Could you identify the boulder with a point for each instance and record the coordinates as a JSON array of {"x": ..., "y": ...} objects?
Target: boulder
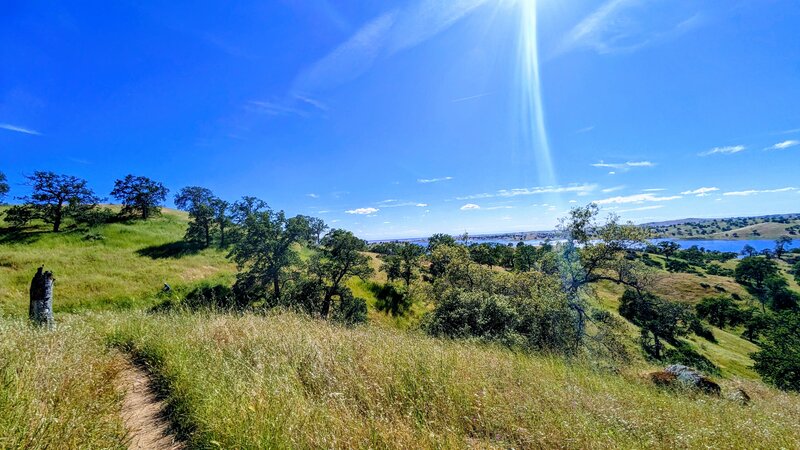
[
  {"x": 687, "y": 377},
  {"x": 739, "y": 396}
]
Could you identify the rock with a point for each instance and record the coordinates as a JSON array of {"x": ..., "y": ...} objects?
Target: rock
[
  {"x": 686, "y": 376},
  {"x": 739, "y": 396}
]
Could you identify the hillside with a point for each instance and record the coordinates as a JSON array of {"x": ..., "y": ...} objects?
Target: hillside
[
  {"x": 733, "y": 228},
  {"x": 283, "y": 380},
  {"x": 117, "y": 265}
]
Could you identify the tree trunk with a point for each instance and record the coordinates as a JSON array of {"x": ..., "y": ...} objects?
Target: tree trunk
[
  {"x": 40, "y": 311},
  {"x": 276, "y": 283},
  {"x": 326, "y": 303}
]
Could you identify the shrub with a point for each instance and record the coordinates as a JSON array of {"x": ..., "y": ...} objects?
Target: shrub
[
  {"x": 216, "y": 297},
  {"x": 391, "y": 299},
  {"x": 350, "y": 310},
  {"x": 778, "y": 362}
]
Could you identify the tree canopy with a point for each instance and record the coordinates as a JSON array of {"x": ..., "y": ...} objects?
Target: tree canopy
[
  {"x": 139, "y": 195},
  {"x": 56, "y": 197}
]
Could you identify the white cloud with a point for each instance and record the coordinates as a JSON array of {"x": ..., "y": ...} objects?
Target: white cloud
[
  {"x": 393, "y": 31},
  {"x": 757, "y": 191},
  {"x": 637, "y": 198},
  {"x": 362, "y": 211},
  {"x": 612, "y": 189},
  {"x": 613, "y": 27},
  {"x": 585, "y": 129},
  {"x": 433, "y": 180},
  {"x": 498, "y": 207},
  {"x": 654, "y": 190},
  {"x": 313, "y": 195},
  {"x": 728, "y": 150},
  {"x": 18, "y": 129},
  {"x": 421, "y": 205},
  {"x": 579, "y": 189},
  {"x": 470, "y": 206},
  {"x": 783, "y": 145},
  {"x": 701, "y": 192},
  {"x": 625, "y": 166}
]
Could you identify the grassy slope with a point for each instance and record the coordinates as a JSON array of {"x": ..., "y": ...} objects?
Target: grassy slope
[
  {"x": 301, "y": 383},
  {"x": 126, "y": 267},
  {"x": 370, "y": 386}
]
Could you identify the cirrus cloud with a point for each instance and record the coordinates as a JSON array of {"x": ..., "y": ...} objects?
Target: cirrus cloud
[
  {"x": 701, "y": 192},
  {"x": 728, "y": 150},
  {"x": 637, "y": 198},
  {"x": 469, "y": 207},
  {"x": 362, "y": 211}
]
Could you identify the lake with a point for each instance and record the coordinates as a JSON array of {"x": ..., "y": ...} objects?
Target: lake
[{"x": 719, "y": 245}]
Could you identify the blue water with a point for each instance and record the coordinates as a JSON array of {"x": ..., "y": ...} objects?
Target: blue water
[
  {"x": 719, "y": 245},
  {"x": 730, "y": 246}
]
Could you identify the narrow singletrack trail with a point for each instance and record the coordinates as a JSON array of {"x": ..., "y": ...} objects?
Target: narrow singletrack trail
[{"x": 143, "y": 413}]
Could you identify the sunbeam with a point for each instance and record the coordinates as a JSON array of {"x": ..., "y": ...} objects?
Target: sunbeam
[{"x": 533, "y": 132}]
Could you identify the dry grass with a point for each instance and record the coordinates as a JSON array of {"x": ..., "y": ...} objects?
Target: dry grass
[
  {"x": 57, "y": 388},
  {"x": 111, "y": 272},
  {"x": 289, "y": 382}
]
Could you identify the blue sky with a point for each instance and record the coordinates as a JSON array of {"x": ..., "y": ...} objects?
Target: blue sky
[{"x": 400, "y": 119}]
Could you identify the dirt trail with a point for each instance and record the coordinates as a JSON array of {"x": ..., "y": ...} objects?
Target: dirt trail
[{"x": 142, "y": 413}]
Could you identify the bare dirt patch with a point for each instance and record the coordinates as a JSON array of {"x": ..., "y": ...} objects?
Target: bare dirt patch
[{"x": 143, "y": 412}]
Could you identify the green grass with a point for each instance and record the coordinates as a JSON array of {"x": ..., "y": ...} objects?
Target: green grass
[
  {"x": 57, "y": 389},
  {"x": 118, "y": 265},
  {"x": 285, "y": 381}
]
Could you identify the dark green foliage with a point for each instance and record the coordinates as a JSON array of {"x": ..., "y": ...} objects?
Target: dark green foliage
[
  {"x": 659, "y": 319},
  {"x": 19, "y": 216},
  {"x": 796, "y": 271},
  {"x": 439, "y": 239},
  {"x": 716, "y": 269},
  {"x": 139, "y": 195},
  {"x": 678, "y": 265},
  {"x": 56, "y": 197},
  {"x": 483, "y": 254},
  {"x": 719, "y": 311},
  {"x": 200, "y": 203},
  {"x": 265, "y": 253},
  {"x": 214, "y": 297},
  {"x": 391, "y": 299},
  {"x": 404, "y": 264},
  {"x": 650, "y": 262},
  {"x": 339, "y": 259},
  {"x": 778, "y": 361},
  {"x": 668, "y": 248},
  {"x": 4, "y": 188},
  {"x": 780, "y": 245},
  {"x": 349, "y": 310},
  {"x": 683, "y": 353},
  {"x": 94, "y": 217}
]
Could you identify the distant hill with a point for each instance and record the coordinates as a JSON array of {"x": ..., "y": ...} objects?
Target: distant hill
[{"x": 733, "y": 228}]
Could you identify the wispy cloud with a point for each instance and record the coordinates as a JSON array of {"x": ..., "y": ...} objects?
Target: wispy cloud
[
  {"x": 728, "y": 150},
  {"x": 636, "y": 198},
  {"x": 612, "y": 189},
  {"x": 18, "y": 129},
  {"x": 393, "y": 31},
  {"x": 701, "y": 192},
  {"x": 471, "y": 97},
  {"x": 470, "y": 206},
  {"x": 433, "y": 180},
  {"x": 585, "y": 129},
  {"x": 625, "y": 166},
  {"x": 312, "y": 195},
  {"x": 783, "y": 145},
  {"x": 759, "y": 191},
  {"x": 492, "y": 208},
  {"x": 654, "y": 190},
  {"x": 617, "y": 26},
  {"x": 362, "y": 211},
  {"x": 392, "y": 203},
  {"x": 579, "y": 189}
]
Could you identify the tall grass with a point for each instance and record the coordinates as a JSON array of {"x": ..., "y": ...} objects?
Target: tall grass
[
  {"x": 116, "y": 265},
  {"x": 285, "y": 381},
  {"x": 57, "y": 389}
]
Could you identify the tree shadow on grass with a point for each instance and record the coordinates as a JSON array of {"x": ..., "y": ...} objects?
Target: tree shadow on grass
[
  {"x": 176, "y": 250},
  {"x": 20, "y": 235}
]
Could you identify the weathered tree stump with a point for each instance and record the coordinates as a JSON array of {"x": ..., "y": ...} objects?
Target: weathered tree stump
[{"x": 41, "y": 306}]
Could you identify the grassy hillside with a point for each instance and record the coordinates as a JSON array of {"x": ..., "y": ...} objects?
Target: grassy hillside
[
  {"x": 117, "y": 265},
  {"x": 762, "y": 227},
  {"x": 302, "y": 383},
  {"x": 282, "y": 380}
]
